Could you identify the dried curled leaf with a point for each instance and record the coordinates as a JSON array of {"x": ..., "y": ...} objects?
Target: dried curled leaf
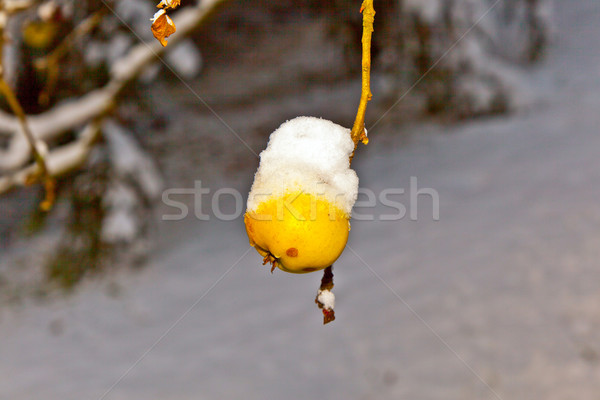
[{"x": 162, "y": 26}]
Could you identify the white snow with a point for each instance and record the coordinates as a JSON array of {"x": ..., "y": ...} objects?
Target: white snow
[
  {"x": 326, "y": 298},
  {"x": 121, "y": 224},
  {"x": 310, "y": 155},
  {"x": 130, "y": 161},
  {"x": 185, "y": 59},
  {"x": 157, "y": 15}
]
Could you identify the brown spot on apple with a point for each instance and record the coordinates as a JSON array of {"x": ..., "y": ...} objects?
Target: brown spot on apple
[{"x": 292, "y": 252}]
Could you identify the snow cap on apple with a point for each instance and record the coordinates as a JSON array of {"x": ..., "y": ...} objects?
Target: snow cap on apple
[{"x": 300, "y": 203}]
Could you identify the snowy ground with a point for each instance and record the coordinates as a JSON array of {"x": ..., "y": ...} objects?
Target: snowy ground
[{"x": 497, "y": 299}]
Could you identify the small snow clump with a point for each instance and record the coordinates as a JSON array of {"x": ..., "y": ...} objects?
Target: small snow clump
[
  {"x": 310, "y": 155},
  {"x": 326, "y": 298}
]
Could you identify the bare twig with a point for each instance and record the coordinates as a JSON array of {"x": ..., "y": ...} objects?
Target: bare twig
[{"x": 358, "y": 129}]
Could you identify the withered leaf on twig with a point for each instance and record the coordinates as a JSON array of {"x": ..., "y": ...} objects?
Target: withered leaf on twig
[{"x": 162, "y": 26}]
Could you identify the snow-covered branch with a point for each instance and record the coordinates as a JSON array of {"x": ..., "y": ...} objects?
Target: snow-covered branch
[
  {"x": 59, "y": 161},
  {"x": 76, "y": 113}
]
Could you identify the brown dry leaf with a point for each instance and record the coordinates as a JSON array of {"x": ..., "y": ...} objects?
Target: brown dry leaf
[{"x": 162, "y": 27}]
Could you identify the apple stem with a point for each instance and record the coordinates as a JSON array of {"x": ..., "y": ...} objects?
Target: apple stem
[{"x": 326, "y": 285}]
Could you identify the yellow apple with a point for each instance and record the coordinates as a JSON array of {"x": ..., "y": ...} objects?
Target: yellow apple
[{"x": 298, "y": 232}]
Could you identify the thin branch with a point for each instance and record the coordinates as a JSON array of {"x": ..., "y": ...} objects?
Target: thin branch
[
  {"x": 358, "y": 129},
  {"x": 60, "y": 160}
]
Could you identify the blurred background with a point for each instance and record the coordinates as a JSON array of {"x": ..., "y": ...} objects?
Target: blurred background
[{"x": 490, "y": 104}]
